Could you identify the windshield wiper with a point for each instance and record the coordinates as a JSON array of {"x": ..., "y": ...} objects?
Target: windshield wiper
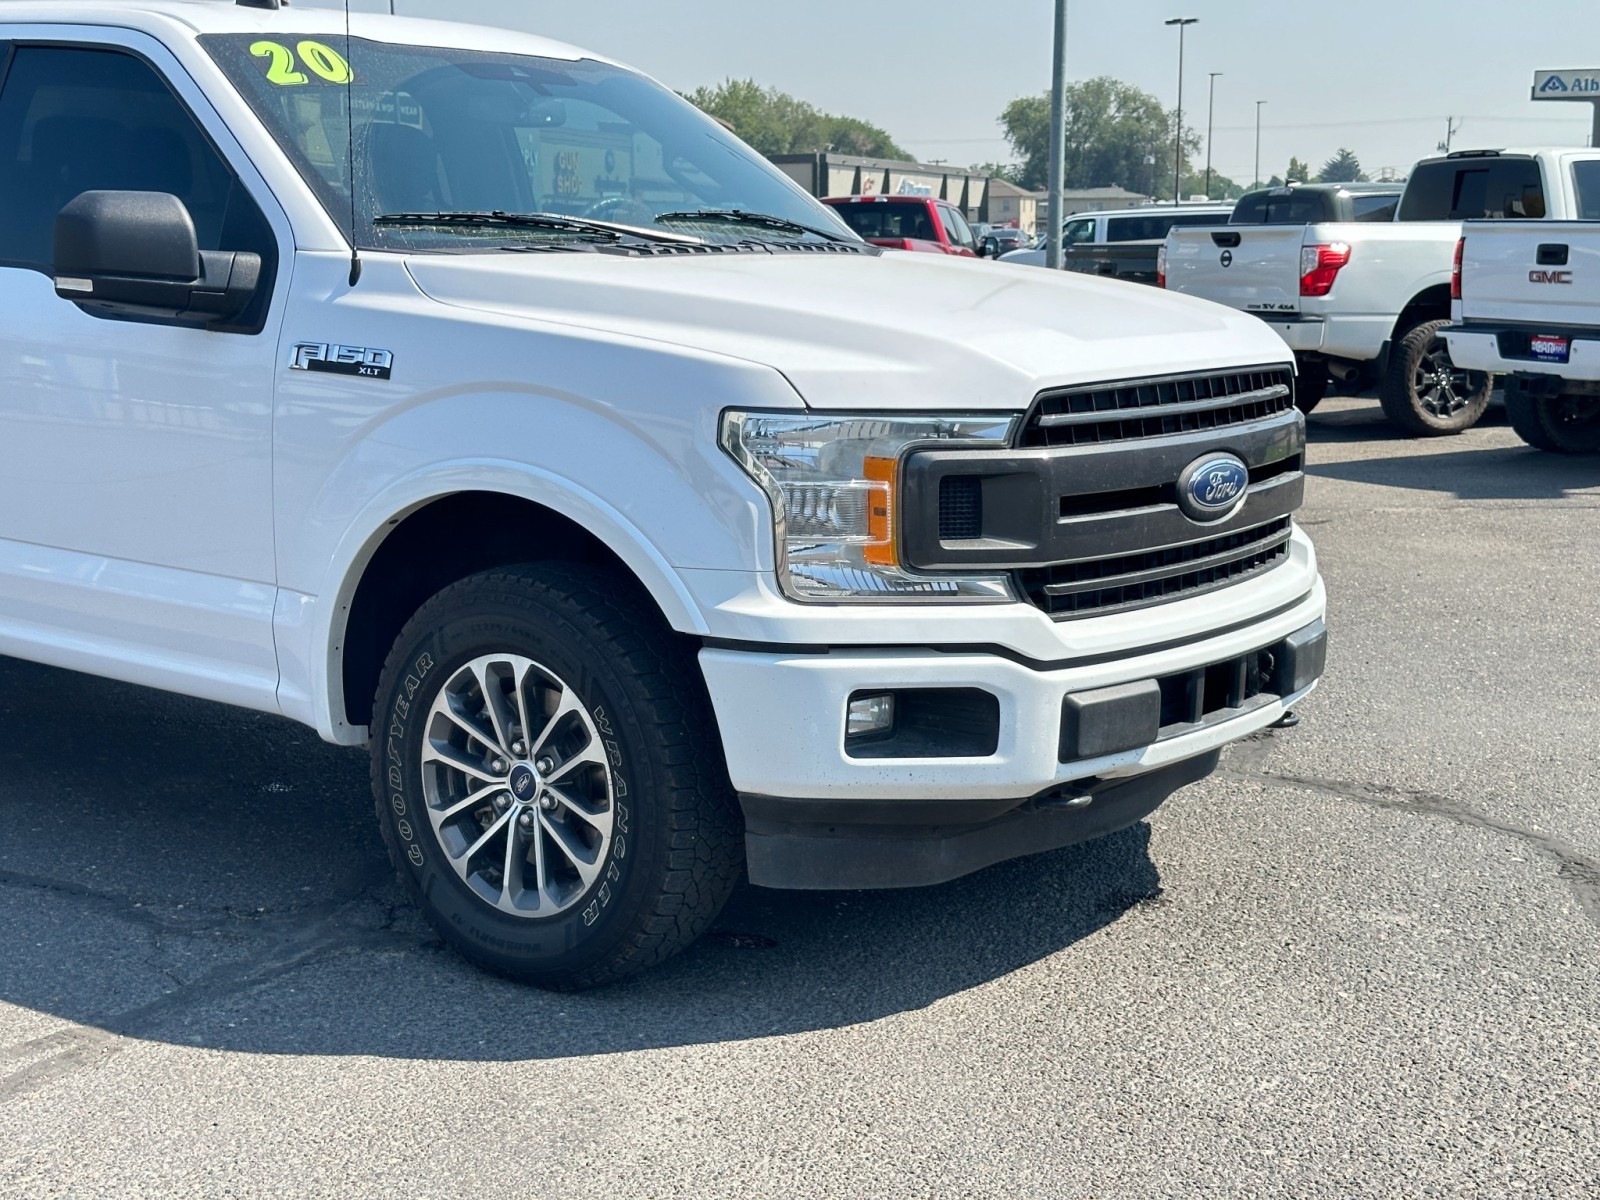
[
  {"x": 555, "y": 221},
  {"x": 738, "y": 216}
]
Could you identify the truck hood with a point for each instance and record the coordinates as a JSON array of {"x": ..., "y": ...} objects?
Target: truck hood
[{"x": 896, "y": 331}]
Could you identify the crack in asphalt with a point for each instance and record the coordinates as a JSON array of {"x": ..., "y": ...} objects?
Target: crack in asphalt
[{"x": 1577, "y": 870}]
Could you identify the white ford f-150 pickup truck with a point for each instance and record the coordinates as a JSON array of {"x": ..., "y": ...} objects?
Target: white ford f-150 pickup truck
[
  {"x": 469, "y": 397},
  {"x": 1527, "y": 306},
  {"x": 1367, "y": 302}
]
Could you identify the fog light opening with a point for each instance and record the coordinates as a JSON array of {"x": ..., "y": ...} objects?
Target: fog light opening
[{"x": 870, "y": 716}]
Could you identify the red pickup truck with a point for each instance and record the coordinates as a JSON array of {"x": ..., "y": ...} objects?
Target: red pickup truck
[{"x": 909, "y": 223}]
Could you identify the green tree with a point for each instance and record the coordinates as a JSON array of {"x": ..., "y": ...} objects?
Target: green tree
[
  {"x": 1113, "y": 128},
  {"x": 1222, "y": 188},
  {"x": 1010, "y": 172},
  {"x": 774, "y": 122},
  {"x": 1298, "y": 172},
  {"x": 1343, "y": 167}
]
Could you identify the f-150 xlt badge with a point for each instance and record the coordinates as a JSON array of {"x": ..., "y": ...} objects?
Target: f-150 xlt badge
[
  {"x": 1213, "y": 488},
  {"x": 343, "y": 360}
]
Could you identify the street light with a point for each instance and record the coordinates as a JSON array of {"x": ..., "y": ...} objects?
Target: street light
[
  {"x": 1211, "y": 118},
  {"x": 1177, "y": 155},
  {"x": 1054, "y": 211},
  {"x": 1257, "y": 181}
]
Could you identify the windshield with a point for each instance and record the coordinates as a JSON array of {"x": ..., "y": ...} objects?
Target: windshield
[{"x": 441, "y": 131}]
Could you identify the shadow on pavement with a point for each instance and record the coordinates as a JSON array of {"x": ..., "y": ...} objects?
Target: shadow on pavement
[
  {"x": 1493, "y": 473},
  {"x": 1341, "y": 422},
  {"x": 184, "y": 872}
]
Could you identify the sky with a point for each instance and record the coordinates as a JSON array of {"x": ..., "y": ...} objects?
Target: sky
[{"x": 1382, "y": 77}]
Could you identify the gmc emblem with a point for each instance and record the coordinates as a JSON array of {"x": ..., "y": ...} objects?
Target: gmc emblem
[{"x": 1550, "y": 277}]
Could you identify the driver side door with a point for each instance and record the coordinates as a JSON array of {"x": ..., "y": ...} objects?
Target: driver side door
[{"x": 136, "y": 533}]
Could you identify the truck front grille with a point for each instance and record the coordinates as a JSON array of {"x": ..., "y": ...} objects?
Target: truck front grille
[
  {"x": 1105, "y": 585},
  {"x": 1148, "y": 408}
]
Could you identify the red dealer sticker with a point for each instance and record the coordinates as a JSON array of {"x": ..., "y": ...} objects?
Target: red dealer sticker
[{"x": 1548, "y": 348}]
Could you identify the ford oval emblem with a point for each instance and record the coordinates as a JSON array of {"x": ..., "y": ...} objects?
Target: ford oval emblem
[{"x": 1213, "y": 488}]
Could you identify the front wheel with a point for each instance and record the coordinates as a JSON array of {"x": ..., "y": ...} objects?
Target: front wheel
[
  {"x": 1424, "y": 392},
  {"x": 1559, "y": 424},
  {"x": 549, "y": 779}
]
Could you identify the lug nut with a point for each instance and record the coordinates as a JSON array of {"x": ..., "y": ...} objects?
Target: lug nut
[
  {"x": 498, "y": 765},
  {"x": 502, "y": 802},
  {"x": 525, "y": 821},
  {"x": 547, "y": 801},
  {"x": 546, "y": 764},
  {"x": 518, "y": 748}
]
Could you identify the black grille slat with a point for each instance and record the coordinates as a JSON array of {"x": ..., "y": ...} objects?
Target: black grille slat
[
  {"x": 1068, "y": 589},
  {"x": 1149, "y": 408}
]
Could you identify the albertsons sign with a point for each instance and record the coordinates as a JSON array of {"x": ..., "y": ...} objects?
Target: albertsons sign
[{"x": 1567, "y": 85}]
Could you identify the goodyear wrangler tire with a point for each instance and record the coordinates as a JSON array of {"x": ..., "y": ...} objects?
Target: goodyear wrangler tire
[{"x": 549, "y": 779}]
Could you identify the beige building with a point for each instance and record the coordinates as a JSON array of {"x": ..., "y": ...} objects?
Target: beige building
[{"x": 1010, "y": 205}]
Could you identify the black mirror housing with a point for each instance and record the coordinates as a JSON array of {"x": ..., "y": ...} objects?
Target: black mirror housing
[{"x": 135, "y": 254}]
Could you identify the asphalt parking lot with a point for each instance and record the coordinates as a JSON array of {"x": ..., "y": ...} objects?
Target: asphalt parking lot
[{"x": 1362, "y": 961}]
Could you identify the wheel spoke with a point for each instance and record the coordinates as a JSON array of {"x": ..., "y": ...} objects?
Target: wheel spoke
[
  {"x": 572, "y": 806},
  {"x": 564, "y": 708},
  {"x": 469, "y": 727},
  {"x": 454, "y": 759},
  {"x": 511, "y": 872},
  {"x": 494, "y": 701},
  {"x": 464, "y": 860},
  {"x": 575, "y": 853},
  {"x": 592, "y": 753},
  {"x": 469, "y": 801}
]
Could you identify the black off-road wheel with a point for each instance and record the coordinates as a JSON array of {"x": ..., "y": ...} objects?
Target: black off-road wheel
[
  {"x": 1558, "y": 424},
  {"x": 1425, "y": 393},
  {"x": 549, "y": 779}
]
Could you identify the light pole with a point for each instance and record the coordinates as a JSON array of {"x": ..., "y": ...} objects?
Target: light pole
[
  {"x": 1211, "y": 120},
  {"x": 1182, "y": 23},
  {"x": 1257, "y": 181},
  {"x": 1058, "y": 142}
]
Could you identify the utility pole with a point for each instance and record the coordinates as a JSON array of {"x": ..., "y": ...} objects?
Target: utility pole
[
  {"x": 1211, "y": 120},
  {"x": 1183, "y": 24},
  {"x": 1257, "y": 181},
  {"x": 1058, "y": 143},
  {"x": 1451, "y": 127}
]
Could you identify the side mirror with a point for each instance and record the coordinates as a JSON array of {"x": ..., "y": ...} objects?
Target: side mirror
[
  {"x": 136, "y": 254},
  {"x": 989, "y": 248}
]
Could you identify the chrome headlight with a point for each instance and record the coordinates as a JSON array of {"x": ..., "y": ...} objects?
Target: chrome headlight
[{"x": 835, "y": 486}]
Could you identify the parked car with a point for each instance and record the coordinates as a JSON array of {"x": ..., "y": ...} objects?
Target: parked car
[
  {"x": 1527, "y": 306},
  {"x": 1125, "y": 244},
  {"x": 650, "y": 533},
  {"x": 1316, "y": 203},
  {"x": 1003, "y": 239},
  {"x": 918, "y": 223},
  {"x": 1367, "y": 302}
]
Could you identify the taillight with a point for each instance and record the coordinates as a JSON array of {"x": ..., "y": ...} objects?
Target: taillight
[
  {"x": 1320, "y": 266},
  {"x": 1161, "y": 266},
  {"x": 1455, "y": 271}
]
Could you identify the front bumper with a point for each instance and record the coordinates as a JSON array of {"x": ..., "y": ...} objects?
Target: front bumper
[{"x": 820, "y": 815}]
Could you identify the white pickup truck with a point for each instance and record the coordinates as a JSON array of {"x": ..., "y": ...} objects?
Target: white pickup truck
[
  {"x": 1528, "y": 307},
  {"x": 475, "y": 399},
  {"x": 1366, "y": 303}
]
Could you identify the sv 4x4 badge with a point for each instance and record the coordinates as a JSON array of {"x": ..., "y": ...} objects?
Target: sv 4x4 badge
[{"x": 343, "y": 360}]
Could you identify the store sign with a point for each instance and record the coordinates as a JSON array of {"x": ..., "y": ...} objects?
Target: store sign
[{"x": 1567, "y": 85}]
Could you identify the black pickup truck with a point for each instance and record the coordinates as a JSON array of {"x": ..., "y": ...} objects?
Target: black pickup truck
[{"x": 1316, "y": 203}]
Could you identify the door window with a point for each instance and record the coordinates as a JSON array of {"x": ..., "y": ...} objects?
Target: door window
[
  {"x": 80, "y": 120},
  {"x": 957, "y": 229},
  {"x": 1077, "y": 233}
]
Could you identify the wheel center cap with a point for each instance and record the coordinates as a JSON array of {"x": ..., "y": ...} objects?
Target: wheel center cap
[{"x": 524, "y": 783}]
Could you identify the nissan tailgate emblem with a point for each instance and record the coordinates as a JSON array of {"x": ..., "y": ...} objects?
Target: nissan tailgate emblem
[{"x": 1227, "y": 258}]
